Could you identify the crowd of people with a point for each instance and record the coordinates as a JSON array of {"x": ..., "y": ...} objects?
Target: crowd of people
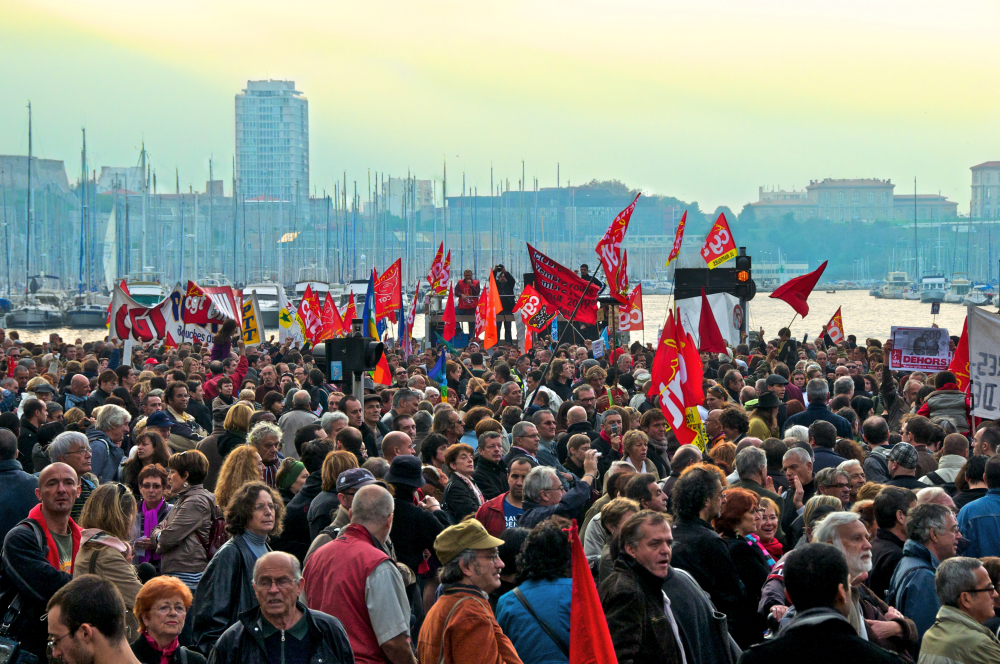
[{"x": 229, "y": 504}]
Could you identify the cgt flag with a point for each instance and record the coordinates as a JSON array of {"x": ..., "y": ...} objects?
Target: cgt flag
[
  {"x": 678, "y": 239},
  {"x": 719, "y": 245},
  {"x": 311, "y": 315},
  {"x": 440, "y": 269},
  {"x": 389, "y": 292},
  {"x": 630, "y": 315},
  {"x": 609, "y": 249},
  {"x": 536, "y": 312},
  {"x": 563, "y": 288},
  {"x": 675, "y": 366},
  {"x": 835, "y": 328}
]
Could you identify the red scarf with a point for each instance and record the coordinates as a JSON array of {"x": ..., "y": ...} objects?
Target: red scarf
[
  {"x": 53, "y": 555},
  {"x": 165, "y": 653},
  {"x": 773, "y": 547}
]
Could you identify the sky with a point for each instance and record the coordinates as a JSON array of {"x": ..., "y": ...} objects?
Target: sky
[{"x": 705, "y": 101}]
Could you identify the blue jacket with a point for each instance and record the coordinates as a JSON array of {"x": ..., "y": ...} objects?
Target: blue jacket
[
  {"x": 912, "y": 593},
  {"x": 819, "y": 411},
  {"x": 551, "y": 601},
  {"x": 17, "y": 494},
  {"x": 825, "y": 458},
  {"x": 979, "y": 521}
]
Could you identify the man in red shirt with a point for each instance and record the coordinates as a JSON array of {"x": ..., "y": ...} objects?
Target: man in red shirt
[{"x": 468, "y": 297}]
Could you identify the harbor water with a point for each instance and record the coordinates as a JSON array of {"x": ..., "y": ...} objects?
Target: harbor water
[{"x": 863, "y": 315}]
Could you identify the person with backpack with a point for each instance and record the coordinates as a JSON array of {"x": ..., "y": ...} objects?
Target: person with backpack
[
  {"x": 38, "y": 556},
  {"x": 183, "y": 538},
  {"x": 254, "y": 513},
  {"x": 954, "y": 454}
]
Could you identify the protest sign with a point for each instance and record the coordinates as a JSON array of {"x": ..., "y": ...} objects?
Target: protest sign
[
  {"x": 984, "y": 365},
  {"x": 919, "y": 349}
]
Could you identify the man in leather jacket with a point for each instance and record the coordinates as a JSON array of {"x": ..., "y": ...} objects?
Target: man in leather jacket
[{"x": 281, "y": 628}]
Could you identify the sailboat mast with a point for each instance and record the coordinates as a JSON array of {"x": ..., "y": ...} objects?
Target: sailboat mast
[
  {"x": 916, "y": 250},
  {"x": 145, "y": 195},
  {"x": 6, "y": 230},
  {"x": 180, "y": 209},
  {"x": 83, "y": 207},
  {"x": 30, "y": 210}
]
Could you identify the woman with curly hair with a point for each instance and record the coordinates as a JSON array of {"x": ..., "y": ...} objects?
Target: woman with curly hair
[
  {"x": 149, "y": 449},
  {"x": 243, "y": 465},
  {"x": 254, "y": 513},
  {"x": 546, "y": 584}
]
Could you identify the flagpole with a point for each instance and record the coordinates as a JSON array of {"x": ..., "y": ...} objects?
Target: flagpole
[
  {"x": 562, "y": 333},
  {"x": 789, "y": 326}
]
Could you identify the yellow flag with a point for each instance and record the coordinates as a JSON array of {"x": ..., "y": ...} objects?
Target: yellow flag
[{"x": 252, "y": 332}]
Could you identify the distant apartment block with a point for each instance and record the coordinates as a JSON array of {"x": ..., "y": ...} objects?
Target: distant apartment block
[
  {"x": 272, "y": 142},
  {"x": 841, "y": 200},
  {"x": 985, "y": 203}
]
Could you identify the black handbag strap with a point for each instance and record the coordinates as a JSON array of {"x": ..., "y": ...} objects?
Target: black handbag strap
[{"x": 563, "y": 648}]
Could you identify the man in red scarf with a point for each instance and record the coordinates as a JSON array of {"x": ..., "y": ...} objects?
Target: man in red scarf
[{"x": 38, "y": 553}]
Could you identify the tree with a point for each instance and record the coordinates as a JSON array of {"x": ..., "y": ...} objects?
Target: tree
[{"x": 747, "y": 215}]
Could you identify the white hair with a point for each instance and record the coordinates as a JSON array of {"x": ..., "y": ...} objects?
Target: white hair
[{"x": 798, "y": 432}]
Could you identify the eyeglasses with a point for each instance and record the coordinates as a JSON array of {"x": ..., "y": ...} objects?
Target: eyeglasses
[
  {"x": 988, "y": 589},
  {"x": 493, "y": 557},
  {"x": 165, "y": 608},
  {"x": 81, "y": 450},
  {"x": 283, "y": 583},
  {"x": 53, "y": 642}
]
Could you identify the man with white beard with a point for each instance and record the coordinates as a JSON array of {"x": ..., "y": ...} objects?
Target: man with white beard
[{"x": 871, "y": 618}]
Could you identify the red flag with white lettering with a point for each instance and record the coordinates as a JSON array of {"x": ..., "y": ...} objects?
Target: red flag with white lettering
[
  {"x": 630, "y": 315},
  {"x": 835, "y": 328},
  {"x": 609, "y": 250},
  {"x": 719, "y": 244},
  {"x": 389, "y": 292},
  {"x": 678, "y": 239}
]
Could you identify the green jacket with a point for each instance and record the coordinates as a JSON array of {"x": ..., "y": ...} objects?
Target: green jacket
[{"x": 955, "y": 638}]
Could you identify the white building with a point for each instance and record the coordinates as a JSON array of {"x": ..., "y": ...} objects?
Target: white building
[{"x": 272, "y": 142}]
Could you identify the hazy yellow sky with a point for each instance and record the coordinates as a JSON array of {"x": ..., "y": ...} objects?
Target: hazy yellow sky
[{"x": 703, "y": 100}]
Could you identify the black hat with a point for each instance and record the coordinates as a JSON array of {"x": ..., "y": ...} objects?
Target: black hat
[
  {"x": 776, "y": 379},
  {"x": 406, "y": 469},
  {"x": 768, "y": 400}
]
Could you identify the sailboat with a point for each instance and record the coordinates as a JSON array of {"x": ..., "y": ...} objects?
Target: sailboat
[
  {"x": 41, "y": 305},
  {"x": 88, "y": 308}
]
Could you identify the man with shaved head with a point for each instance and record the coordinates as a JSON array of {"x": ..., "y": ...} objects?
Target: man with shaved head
[
  {"x": 395, "y": 443},
  {"x": 79, "y": 390},
  {"x": 38, "y": 553}
]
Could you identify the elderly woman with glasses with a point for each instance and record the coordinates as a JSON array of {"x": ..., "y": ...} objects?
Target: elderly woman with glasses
[
  {"x": 161, "y": 607},
  {"x": 253, "y": 514}
]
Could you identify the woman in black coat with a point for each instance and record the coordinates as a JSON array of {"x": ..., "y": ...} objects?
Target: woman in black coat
[
  {"x": 461, "y": 495},
  {"x": 225, "y": 590},
  {"x": 161, "y": 607},
  {"x": 739, "y": 518}
]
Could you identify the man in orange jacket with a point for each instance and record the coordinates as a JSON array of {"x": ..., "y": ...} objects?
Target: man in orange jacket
[{"x": 460, "y": 628}]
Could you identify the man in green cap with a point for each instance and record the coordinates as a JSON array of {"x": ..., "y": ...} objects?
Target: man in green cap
[{"x": 460, "y": 628}]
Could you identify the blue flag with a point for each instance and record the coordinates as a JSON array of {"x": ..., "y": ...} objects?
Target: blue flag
[
  {"x": 368, "y": 326},
  {"x": 438, "y": 372}
]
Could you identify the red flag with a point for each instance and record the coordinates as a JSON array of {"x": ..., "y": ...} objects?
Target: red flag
[
  {"x": 619, "y": 289},
  {"x": 449, "y": 316},
  {"x": 481, "y": 306},
  {"x": 124, "y": 287},
  {"x": 709, "y": 335},
  {"x": 493, "y": 308},
  {"x": 835, "y": 328},
  {"x": 536, "y": 312},
  {"x": 389, "y": 292},
  {"x": 333, "y": 325},
  {"x": 350, "y": 313},
  {"x": 630, "y": 315},
  {"x": 563, "y": 288},
  {"x": 960, "y": 360},
  {"x": 589, "y": 640},
  {"x": 382, "y": 374},
  {"x": 311, "y": 315},
  {"x": 694, "y": 394},
  {"x": 609, "y": 250},
  {"x": 678, "y": 239},
  {"x": 797, "y": 290},
  {"x": 719, "y": 244},
  {"x": 440, "y": 268},
  {"x": 669, "y": 380}
]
